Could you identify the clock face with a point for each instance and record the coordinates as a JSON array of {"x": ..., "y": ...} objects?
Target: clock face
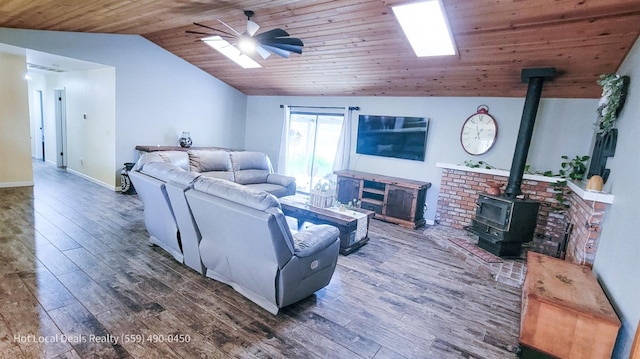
[{"x": 478, "y": 133}]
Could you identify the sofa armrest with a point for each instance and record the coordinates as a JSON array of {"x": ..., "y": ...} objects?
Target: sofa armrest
[
  {"x": 281, "y": 180},
  {"x": 314, "y": 239}
]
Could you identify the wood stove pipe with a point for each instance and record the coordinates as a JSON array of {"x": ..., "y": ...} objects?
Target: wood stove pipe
[{"x": 536, "y": 78}]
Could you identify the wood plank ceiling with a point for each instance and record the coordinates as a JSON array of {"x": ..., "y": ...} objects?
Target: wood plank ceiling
[{"x": 356, "y": 47}]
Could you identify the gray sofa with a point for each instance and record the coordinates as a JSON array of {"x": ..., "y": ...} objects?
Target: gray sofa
[
  {"x": 248, "y": 168},
  {"x": 233, "y": 232},
  {"x": 247, "y": 244},
  {"x": 160, "y": 182}
]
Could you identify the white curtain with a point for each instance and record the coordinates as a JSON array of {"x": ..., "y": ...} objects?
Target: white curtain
[
  {"x": 284, "y": 141},
  {"x": 343, "y": 154}
]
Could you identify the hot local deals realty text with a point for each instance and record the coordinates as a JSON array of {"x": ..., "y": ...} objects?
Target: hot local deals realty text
[
  {"x": 64, "y": 338},
  {"x": 107, "y": 338}
]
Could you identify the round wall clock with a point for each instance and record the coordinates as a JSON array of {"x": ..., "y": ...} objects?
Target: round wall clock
[{"x": 479, "y": 132}]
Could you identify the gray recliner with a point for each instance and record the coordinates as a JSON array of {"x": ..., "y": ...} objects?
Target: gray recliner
[
  {"x": 247, "y": 244},
  {"x": 254, "y": 169},
  {"x": 161, "y": 187},
  {"x": 158, "y": 214},
  {"x": 178, "y": 183}
]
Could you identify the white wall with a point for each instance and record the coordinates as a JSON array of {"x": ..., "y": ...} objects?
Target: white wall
[
  {"x": 158, "y": 95},
  {"x": 15, "y": 148},
  {"x": 617, "y": 262},
  {"x": 91, "y": 141},
  {"x": 36, "y": 82},
  {"x": 563, "y": 127}
]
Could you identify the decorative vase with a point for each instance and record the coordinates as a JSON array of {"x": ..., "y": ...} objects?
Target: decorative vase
[
  {"x": 185, "y": 140},
  {"x": 595, "y": 183},
  {"x": 126, "y": 186},
  {"x": 494, "y": 188}
]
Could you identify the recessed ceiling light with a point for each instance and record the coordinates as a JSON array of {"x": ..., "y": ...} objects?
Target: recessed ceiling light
[
  {"x": 426, "y": 28},
  {"x": 230, "y": 51}
]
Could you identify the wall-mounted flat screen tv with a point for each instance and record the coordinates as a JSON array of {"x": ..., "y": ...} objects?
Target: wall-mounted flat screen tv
[{"x": 392, "y": 136}]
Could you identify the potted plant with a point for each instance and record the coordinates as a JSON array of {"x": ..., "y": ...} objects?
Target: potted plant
[{"x": 614, "y": 93}]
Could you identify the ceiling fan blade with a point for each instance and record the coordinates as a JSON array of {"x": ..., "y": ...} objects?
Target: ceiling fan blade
[
  {"x": 277, "y": 51},
  {"x": 285, "y": 47},
  {"x": 252, "y": 27},
  {"x": 205, "y": 26},
  {"x": 198, "y": 33},
  {"x": 230, "y": 28},
  {"x": 271, "y": 34},
  {"x": 283, "y": 40},
  {"x": 213, "y": 28},
  {"x": 264, "y": 53}
]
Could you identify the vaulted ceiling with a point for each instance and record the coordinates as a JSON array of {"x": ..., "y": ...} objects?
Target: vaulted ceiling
[{"x": 356, "y": 47}]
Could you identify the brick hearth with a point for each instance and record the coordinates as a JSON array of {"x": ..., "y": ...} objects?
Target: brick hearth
[{"x": 459, "y": 189}]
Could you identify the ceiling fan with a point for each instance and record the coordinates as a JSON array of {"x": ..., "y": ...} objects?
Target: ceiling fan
[{"x": 276, "y": 41}]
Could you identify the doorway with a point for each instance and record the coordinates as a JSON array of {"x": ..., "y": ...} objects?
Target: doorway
[
  {"x": 312, "y": 146},
  {"x": 61, "y": 128},
  {"x": 40, "y": 149}
]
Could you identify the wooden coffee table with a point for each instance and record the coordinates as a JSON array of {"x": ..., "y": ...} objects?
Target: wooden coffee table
[{"x": 297, "y": 207}]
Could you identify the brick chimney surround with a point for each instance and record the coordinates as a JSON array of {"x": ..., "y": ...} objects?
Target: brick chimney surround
[{"x": 460, "y": 186}]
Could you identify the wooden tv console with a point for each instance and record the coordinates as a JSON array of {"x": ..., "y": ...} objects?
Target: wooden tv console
[
  {"x": 393, "y": 199},
  {"x": 565, "y": 313}
]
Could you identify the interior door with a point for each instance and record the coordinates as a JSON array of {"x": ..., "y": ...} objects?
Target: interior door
[
  {"x": 40, "y": 153},
  {"x": 61, "y": 128}
]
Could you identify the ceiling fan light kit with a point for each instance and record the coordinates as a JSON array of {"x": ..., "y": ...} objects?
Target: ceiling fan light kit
[
  {"x": 275, "y": 41},
  {"x": 247, "y": 44}
]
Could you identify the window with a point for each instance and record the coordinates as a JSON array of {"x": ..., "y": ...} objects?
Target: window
[{"x": 312, "y": 145}]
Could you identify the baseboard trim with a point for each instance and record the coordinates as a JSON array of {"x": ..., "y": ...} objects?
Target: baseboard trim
[
  {"x": 93, "y": 180},
  {"x": 16, "y": 184}
]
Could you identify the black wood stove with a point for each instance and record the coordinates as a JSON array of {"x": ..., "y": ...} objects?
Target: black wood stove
[{"x": 504, "y": 222}]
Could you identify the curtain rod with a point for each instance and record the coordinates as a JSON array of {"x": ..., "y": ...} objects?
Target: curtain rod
[{"x": 351, "y": 108}]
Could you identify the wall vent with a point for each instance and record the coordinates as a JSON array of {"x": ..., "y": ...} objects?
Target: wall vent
[{"x": 44, "y": 68}]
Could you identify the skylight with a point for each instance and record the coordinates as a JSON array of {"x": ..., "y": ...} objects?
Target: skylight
[
  {"x": 426, "y": 28},
  {"x": 230, "y": 51}
]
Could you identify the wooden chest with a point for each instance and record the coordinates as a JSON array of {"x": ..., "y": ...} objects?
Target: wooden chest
[{"x": 565, "y": 313}]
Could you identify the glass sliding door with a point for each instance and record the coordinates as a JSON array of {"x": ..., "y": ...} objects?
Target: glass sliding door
[{"x": 312, "y": 146}]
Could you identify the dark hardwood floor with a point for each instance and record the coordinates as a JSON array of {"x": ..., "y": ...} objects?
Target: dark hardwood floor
[{"x": 76, "y": 269}]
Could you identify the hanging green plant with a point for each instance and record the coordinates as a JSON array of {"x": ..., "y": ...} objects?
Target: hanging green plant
[
  {"x": 479, "y": 164},
  {"x": 574, "y": 169},
  {"x": 614, "y": 93}
]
